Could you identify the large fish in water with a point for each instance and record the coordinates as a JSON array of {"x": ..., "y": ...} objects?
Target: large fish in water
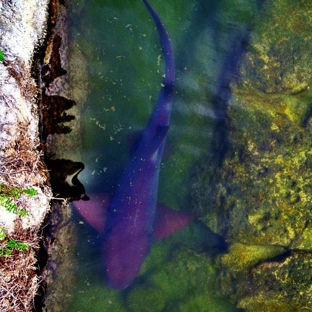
[{"x": 134, "y": 219}]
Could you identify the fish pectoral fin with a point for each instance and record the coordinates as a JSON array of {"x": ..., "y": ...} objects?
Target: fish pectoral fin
[
  {"x": 169, "y": 221},
  {"x": 95, "y": 210}
]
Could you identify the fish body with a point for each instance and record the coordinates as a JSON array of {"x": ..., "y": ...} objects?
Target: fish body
[
  {"x": 131, "y": 215},
  {"x": 131, "y": 219}
]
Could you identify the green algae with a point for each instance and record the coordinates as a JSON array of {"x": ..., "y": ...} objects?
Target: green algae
[
  {"x": 146, "y": 299},
  {"x": 240, "y": 13},
  {"x": 263, "y": 187},
  {"x": 260, "y": 304},
  {"x": 98, "y": 298},
  {"x": 283, "y": 284},
  {"x": 304, "y": 242},
  {"x": 203, "y": 303},
  {"x": 182, "y": 281},
  {"x": 243, "y": 257},
  {"x": 278, "y": 61},
  {"x": 260, "y": 199}
]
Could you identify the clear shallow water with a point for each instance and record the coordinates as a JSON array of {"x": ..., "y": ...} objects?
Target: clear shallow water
[{"x": 121, "y": 46}]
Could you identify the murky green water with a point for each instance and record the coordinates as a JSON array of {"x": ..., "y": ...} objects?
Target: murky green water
[{"x": 119, "y": 41}]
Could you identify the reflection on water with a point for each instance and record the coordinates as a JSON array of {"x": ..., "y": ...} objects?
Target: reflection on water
[{"x": 125, "y": 69}]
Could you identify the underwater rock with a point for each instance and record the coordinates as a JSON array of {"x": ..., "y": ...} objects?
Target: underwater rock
[
  {"x": 241, "y": 256},
  {"x": 64, "y": 83},
  {"x": 58, "y": 274},
  {"x": 261, "y": 194},
  {"x": 280, "y": 285},
  {"x": 278, "y": 61},
  {"x": 146, "y": 299},
  {"x": 98, "y": 298},
  {"x": 64, "y": 92},
  {"x": 181, "y": 281}
]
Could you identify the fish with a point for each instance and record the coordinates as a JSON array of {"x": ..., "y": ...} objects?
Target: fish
[{"x": 134, "y": 219}]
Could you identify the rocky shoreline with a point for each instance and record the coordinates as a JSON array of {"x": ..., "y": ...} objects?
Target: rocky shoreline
[{"x": 22, "y": 30}]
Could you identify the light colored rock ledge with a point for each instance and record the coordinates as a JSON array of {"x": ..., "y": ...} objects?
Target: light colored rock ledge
[{"x": 22, "y": 28}]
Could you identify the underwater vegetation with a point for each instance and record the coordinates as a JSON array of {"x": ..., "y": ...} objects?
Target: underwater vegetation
[
  {"x": 1, "y": 56},
  {"x": 259, "y": 199}
]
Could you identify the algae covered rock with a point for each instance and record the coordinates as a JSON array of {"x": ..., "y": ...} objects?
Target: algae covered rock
[
  {"x": 147, "y": 299},
  {"x": 98, "y": 298},
  {"x": 259, "y": 199},
  {"x": 241, "y": 256},
  {"x": 287, "y": 280},
  {"x": 183, "y": 281},
  {"x": 278, "y": 60}
]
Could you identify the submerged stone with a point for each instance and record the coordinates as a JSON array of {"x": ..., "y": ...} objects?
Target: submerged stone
[
  {"x": 259, "y": 198},
  {"x": 63, "y": 75},
  {"x": 182, "y": 281},
  {"x": 282, "y": 285},
  {"x": 149, "y": 299},
  {"x": 242, "y": 257}
]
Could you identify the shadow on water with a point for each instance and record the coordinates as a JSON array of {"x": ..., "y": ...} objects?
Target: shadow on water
[{"x": 229, "y": 74}]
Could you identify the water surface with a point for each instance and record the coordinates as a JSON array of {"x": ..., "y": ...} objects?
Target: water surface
[{"x": 119, "y": 41}]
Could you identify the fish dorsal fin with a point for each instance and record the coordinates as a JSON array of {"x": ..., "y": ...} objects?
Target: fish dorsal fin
[
  {"x": 169, "y": 221},
  {"x": 94, "y": 211},
  {"x": 133, "y": 141},
  {"x": 157, "y": 140},
  {"x": 136, "y": 138}
]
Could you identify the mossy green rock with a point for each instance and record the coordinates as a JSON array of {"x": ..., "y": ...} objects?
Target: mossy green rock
[
  {"x": 202, "y": 302},
  {"x": 261, "y": 195},
  {"x": 96, "y": 298},
  {"x": 149, "y": 299},
  {"x": 277, "y": 61},
  {"x": 184, "y": 281},
  {"x": 283, "y": 285},
  {"x": 244, "y": 257}
]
